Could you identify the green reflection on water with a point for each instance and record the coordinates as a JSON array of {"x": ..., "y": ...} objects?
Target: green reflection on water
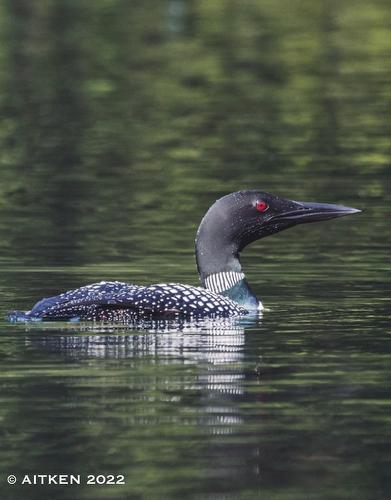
[{"x": 120, "y": 122}]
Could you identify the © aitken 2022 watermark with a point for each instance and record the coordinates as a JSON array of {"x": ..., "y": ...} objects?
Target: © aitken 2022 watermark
[{"x": 66, "y": 479}]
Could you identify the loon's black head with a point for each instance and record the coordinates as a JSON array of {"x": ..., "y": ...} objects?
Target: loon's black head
[{"x": 240, "y": 218}]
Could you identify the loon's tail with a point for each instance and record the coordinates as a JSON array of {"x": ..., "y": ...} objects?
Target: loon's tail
[{"x": 20, "y": 317}]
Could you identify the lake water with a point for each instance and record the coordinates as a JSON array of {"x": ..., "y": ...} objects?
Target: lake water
[{"x": 120, "y": 123}]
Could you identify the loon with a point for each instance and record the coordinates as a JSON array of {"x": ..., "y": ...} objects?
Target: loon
[{"x": 230, "y": 224}]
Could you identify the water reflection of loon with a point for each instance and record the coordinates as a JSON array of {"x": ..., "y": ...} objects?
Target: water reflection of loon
[
  {"x": 214, "y": 341},
  {"x": 230, "y": 224},
  {"x": 213, "y": 346},
  {"x": 203, "y": 358}
]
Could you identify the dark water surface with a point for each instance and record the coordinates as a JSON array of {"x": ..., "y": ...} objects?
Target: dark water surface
[{"x": 120, "y": 123}]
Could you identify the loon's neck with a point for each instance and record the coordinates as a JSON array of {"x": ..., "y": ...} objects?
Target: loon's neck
[
  {"x": 234, "y": 286},
  {"x": 231, "y": 282},
  {"x": 217, "y": 255}
]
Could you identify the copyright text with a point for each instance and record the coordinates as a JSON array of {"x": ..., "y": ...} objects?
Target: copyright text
[{"x": 66, "y": 479}]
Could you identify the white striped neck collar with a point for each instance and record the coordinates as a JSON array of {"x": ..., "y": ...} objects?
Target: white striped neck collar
[{"x": 220, "y": 282}]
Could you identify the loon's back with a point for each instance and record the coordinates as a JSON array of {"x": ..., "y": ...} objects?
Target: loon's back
[{"x": 122, "y": 302}]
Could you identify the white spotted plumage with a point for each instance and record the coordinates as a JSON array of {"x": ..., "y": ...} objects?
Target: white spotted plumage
[{"x": 116, "y": 301}]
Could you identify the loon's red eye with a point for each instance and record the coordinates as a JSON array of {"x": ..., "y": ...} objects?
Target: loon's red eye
[{"x": 261, "y": 206}]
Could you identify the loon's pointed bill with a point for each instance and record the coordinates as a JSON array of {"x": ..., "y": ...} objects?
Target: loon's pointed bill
[{"x": 314, "y": 212}]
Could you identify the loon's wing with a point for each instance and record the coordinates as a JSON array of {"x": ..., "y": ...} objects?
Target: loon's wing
[{"x": 85, "y": 303}]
